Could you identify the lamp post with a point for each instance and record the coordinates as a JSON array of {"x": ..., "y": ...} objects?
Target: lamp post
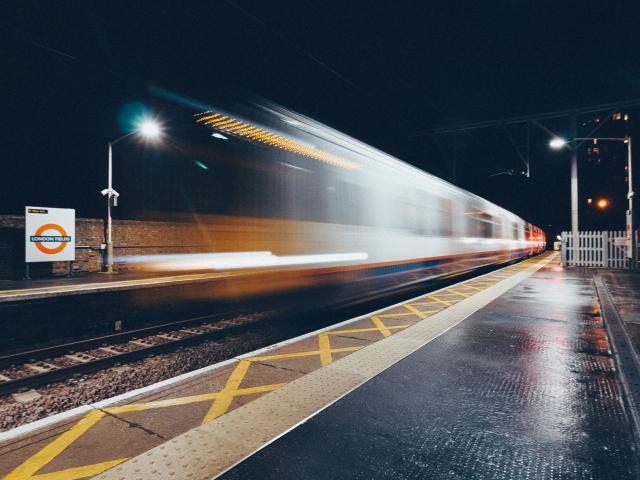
[
  {"x": 150, "y": 129},
  {"x": 558, "y": 143}
]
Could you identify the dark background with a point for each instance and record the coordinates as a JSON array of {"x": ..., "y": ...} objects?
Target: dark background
[{"x": 376, "y": 70}]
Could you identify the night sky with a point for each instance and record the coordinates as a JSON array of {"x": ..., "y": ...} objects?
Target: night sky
[{"x": 376, "y": 70}]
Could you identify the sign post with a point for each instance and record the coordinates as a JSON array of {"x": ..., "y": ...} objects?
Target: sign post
[{"x": 50, "y": 235}]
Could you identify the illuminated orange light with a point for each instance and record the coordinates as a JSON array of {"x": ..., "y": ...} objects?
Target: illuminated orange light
[
  {"x": 603, "y": 203},
  {"x": 236, "y": 127}
]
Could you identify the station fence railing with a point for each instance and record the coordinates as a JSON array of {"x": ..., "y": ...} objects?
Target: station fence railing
[{"x": 605, "y": 249}]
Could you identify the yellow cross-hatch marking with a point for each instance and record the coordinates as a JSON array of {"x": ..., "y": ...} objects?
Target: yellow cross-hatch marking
[
  {"x": 79, "y": 472},
  {"x": 457, "y": 292},
  {"x": 55, "y": 448},
  {"x": 223, "y": 399},
  {"x": 380, "y": 326},
  {"x": 394, "y": 315},
  {"x": 446, "y": 303},
  {"x": 324, "y": 346},
  {"x": 415, "y": 311}
]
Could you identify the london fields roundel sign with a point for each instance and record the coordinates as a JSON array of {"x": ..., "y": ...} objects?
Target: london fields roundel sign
[
  {"x": 49, "y": 234},
  {"x": 41, "y": 240}
]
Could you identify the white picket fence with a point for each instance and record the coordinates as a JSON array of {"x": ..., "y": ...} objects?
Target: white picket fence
[{"x": 595, "y": 249}]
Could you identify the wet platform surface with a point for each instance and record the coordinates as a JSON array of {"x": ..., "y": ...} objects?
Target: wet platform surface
[
  {"x": 507, "y": 375},
  {"x": 524, "y": 388},
  {"x": 96, "y": 437},
  {"x": 624, "y": 289}
]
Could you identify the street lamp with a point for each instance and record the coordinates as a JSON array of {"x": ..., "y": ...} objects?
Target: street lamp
[
  {"x": 558, "y": 143},
  {"x": 147, "y": 128}
]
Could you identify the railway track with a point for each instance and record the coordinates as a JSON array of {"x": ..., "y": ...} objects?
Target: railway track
[
  {"x": 32, "y": 369},
  {"x": 36, "y": 368}
]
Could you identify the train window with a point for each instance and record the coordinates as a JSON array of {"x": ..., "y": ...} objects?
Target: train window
[
  {"x": 486, "y": 225},
  {"x": 516, "y": 230},
  {"x": 429, "y": 215},
  {"x": 481, "y": 224},
  {"x": 412, "y": 217},
  {"x": 446, "y": 219}
]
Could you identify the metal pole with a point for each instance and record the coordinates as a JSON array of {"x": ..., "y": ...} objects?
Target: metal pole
[
  {"x": 108, "y": 240},
  {"x": 528, "y": 172},
  {"x": 455, "y": 158},
  {"x": 574, "y": 185},
  {"x": 634, "y": 252}
]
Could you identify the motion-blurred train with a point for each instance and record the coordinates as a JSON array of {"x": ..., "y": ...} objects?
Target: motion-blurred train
[{"x": 295, "y": 204}]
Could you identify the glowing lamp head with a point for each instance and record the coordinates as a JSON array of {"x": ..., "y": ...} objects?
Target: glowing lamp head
[
  {"x": 602, "y": 203},
  {"x": 149, "y": 128},
  {"x": 557, "y": 143}
]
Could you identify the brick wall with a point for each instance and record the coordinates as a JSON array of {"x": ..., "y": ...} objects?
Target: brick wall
[
  {"x": 131, "y": 237},
  {"x": 179, "y": 234}
]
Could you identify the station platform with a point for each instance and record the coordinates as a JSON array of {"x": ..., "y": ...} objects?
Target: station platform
[
  {"x": 89, "y": 283},
  {"x": 506, "y": 375}
]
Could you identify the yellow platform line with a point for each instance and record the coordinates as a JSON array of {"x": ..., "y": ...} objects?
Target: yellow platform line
[
  {"x": 443, "y": 302},
  {"x": 393, "y": 315},
  {"x": 231, "y": 389},
  {"x": 437, "y": 304},
  {"x": 225, "y": 396},
  {"x": 261, "y": 389},
  {"x": 415, "y": 311},
  {"x": 456, "y": 292},
  {"x": 324, "y": 346},
  {"x": 380, "y": 326},
  {"x": 172, "y": 402},
  {"x": 80, "y": 472},
  {"x": 55, "y": 448},
  {"x": 364, "y": 330},
  {"x": 310, "y": 353}
]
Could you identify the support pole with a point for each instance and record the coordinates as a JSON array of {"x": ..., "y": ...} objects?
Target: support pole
[
  {"x": 634, "y": 247},
  {"x": 108, "y": 240},
  {"x": 455, "y": 158},
  {"x": 574, "y": 185},
  {"x": 528, "y": 171}
]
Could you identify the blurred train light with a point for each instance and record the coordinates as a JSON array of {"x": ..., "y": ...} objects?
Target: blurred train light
[
  {"x": 557, "y": 143},
  {"x": 236, "y": 260},
  {"x": 295, "y": 167},
  {"x": 257, "y": 134}
]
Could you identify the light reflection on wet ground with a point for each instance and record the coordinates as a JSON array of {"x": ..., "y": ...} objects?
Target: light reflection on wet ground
[{"x": 524, "y": 388}]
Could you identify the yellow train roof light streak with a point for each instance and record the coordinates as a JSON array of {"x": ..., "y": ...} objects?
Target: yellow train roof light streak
[{"x": 239, "y": 128}]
